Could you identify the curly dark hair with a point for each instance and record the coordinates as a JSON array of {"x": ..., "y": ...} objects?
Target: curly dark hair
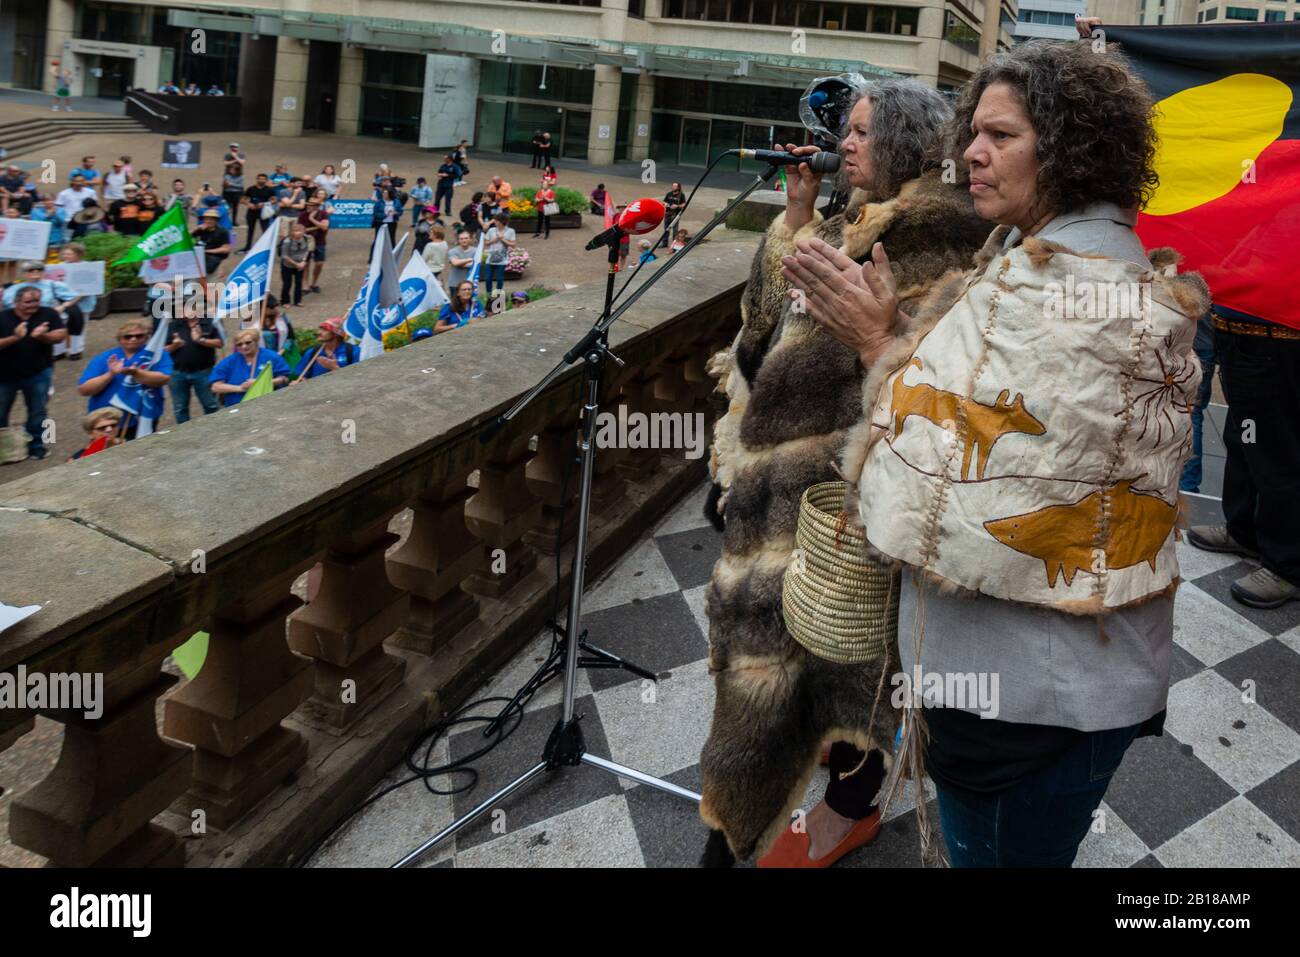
[{"x": 1093, "y": 116}]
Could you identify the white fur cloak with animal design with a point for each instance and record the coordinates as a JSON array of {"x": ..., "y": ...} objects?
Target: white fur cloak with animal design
[{"x": 1067, "y": 494}]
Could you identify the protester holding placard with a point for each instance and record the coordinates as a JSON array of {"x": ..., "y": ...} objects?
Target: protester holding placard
[
  {"x": 48, "y": 211},
  {"x": 85, "y": 279},
  {"x": 59, "y": 296}
]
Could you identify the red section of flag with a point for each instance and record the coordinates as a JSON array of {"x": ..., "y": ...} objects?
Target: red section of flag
[
  {"x": 1241, "y": 241},
  {"x": 98, "y": 445},
  {"x": 609, "y": 210}
]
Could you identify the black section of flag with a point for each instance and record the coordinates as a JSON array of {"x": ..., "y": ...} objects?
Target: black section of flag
[{"x": 1175, "y": 58}]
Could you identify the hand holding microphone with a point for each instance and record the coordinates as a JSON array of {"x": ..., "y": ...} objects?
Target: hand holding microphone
[{"x": 802, "y": 189}]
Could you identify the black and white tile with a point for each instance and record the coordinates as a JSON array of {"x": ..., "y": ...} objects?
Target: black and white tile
[{"x": 1221, "y": 787}]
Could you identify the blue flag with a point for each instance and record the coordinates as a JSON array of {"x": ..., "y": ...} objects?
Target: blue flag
[{"x": 251, "y": 280}]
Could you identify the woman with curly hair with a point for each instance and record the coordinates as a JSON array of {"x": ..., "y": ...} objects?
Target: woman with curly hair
[
  {"x": 1021, "y": 455},
  {"x": 794, "y": 397}
]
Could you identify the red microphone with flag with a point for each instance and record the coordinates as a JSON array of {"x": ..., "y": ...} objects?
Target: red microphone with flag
[{"x": 640, "y": 216}]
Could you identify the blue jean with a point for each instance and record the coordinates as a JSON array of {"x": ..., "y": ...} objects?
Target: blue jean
[
  {"x": 1040, "y": 821},
  {"x": 180, "y": 385},
  {"x": 1204, "y": 347},
  {"x": 36, "y": 394},
  {"x": 496, "y": 274}
]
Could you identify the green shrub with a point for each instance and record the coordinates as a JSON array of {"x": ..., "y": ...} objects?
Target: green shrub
[
  {"x": 569, "y": 200},
  {"x": 107, "y": 247}
]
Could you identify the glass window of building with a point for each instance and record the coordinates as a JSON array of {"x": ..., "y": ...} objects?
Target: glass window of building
[
  {"x": 392, "y": 95},
  {"x": 1241, "y": 13},
  {"x": 1274, "y": 16},
  {"x": 961, "y": 33}
]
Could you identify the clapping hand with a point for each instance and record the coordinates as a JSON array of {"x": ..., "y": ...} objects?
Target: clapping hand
[{"x": 857, "y": 305}]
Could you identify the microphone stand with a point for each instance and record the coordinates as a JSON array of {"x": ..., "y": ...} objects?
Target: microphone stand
[{"x": 565, "y": 747}]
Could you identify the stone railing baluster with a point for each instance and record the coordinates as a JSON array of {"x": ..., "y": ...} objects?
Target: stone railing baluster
[
  {"x": 231, "y": 711},
  {"x": 343, "y": 627},
  {"x": 438, "y": 555}
]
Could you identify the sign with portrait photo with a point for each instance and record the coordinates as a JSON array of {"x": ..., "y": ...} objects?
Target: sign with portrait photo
[
  {"x": 181, "y": 154},
  {"x": 24, "y": 238}
]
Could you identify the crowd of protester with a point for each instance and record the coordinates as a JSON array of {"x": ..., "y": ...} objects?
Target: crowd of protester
[{"x": 43, "y": 320}]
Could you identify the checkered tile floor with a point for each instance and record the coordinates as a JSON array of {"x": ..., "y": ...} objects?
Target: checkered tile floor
[{"x": 1220, "y": 788}]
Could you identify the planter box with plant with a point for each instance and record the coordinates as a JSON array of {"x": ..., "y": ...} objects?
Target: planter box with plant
[
  {"x": 124, "y": 290},
  {"x": 523, "y": 213}
]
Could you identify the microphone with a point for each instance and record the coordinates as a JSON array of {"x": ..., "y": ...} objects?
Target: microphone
[
  {"x": 640, "y": 216},
  {"x": 823, "y": 162}
]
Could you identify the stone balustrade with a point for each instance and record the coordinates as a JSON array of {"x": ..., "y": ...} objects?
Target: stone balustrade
[{"x": 429, "y": 560}]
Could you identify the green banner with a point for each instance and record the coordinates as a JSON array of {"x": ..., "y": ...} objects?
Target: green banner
[{"x": 166, "y": 236}]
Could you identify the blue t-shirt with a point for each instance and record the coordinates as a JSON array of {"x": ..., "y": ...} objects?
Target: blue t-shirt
[
  {"x": 124, "y": 387},
  {"x": 460, "y": 318},
  {"x": 280, "y": 178},
  {"x": 57, "y": 221},
  {"x": 233, "y": 370},
  {"x": 87, "y": 174},
  {"x": 421, "y": 194},
  {"x": 340, "y": 356}
]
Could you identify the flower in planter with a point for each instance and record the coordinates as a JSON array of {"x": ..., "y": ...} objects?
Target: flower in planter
[
  {"x": 521, "y": 208},
  {"x": 518, "y": 260}
]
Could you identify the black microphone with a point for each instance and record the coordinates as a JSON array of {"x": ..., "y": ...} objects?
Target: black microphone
[{"x": 822, "y": 162}]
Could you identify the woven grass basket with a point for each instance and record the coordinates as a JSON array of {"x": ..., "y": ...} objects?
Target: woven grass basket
[{"x": 838, "y": 603}]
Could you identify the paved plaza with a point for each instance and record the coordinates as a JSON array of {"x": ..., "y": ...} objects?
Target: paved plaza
[{"x": 1221, "y": 788}]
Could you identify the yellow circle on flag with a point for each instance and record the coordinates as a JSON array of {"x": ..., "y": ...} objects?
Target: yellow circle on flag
[{"x": 1211, "y": 135}]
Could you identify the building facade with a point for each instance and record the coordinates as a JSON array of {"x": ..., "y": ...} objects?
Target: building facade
[
  {"x": 1048, "y": 19},
  {"x": 677, "y": 80}
]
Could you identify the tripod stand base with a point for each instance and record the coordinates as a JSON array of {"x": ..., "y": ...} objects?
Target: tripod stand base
[{"x": 589, "y": 759}]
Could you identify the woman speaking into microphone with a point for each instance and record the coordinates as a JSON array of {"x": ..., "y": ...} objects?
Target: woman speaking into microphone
[{"x": 794, "y": 395}]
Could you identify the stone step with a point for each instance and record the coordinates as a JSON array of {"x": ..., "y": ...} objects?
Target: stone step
[{"x": 27, "y": 136}]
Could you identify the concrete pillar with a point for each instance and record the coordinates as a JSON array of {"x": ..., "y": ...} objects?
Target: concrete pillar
[
  {"x": 347, "y": 114},
  {"x": 60, "y": 23},
  {"x": 604, "y": 115},
  {"x": 289, "y": 88},
  {"x": 645, "y": 100},
  {"x": 929, "y": 27},
  {"x": 989, "y": 27}
]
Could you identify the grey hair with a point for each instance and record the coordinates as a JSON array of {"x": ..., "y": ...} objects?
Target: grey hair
[{"x": 907, "y": 120}]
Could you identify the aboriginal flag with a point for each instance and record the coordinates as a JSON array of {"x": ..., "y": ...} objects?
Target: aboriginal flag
[{"x": 1228, "y": 117}]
